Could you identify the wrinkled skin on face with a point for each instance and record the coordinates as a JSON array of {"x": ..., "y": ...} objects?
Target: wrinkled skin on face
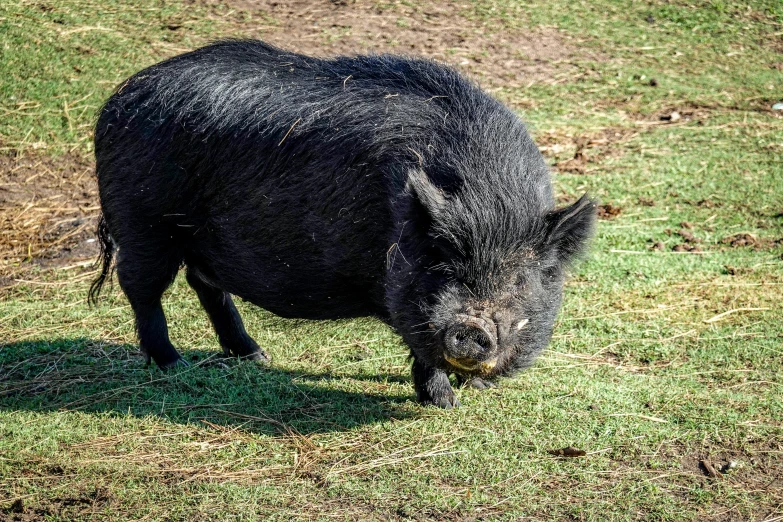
[{"x": 480, "y": 302}]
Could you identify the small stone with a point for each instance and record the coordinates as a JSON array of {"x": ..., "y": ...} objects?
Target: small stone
[
  {"x": 778, "y": 106},
  {"x": 672, "y": 116}
]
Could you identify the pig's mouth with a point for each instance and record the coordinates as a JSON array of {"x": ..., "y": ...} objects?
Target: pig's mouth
[{"x": 471, "y": 365}]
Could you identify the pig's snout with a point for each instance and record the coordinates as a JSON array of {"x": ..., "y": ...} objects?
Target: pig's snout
[
  {"x": 470, "y": 344},
  {"x": 466, "y": 340}
]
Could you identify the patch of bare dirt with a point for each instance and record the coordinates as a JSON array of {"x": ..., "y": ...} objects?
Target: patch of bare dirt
[
  {"x": 754, "y": 470},
  {"x": 494, "y": 55},
  {"x": 751, "y": 469},
  {"x": 48, "y": 212},
  {"x": 67, "y": 507},
  {"x": 582, "y": 154}
]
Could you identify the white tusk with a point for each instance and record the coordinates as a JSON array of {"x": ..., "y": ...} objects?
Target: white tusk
[{"x": 522, "y": 323}]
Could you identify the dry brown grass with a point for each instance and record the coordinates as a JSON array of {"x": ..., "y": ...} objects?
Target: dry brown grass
[{"x": 48, "y": 212}]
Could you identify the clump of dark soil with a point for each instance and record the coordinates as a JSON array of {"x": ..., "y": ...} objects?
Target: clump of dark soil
[
  {"x": 745, "y": 239},
  {"x": 686, "y": 248},
  {"x": 706, "y": 203},
  {"x": 690, "y": 240},
  {"x": 688, "y": 236},
  {"x": 608, "y": 211}
]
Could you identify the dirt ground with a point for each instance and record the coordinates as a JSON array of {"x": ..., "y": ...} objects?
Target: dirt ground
[
  {"x": 49, "y": 207},
  {"x": 48, "y": 213},
  {"x": 496, "y": 57}
]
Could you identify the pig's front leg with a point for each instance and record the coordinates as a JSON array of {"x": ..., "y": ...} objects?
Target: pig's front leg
[
  {"x": 475, "y": 382},
  {"x": 433, "y": 387}
]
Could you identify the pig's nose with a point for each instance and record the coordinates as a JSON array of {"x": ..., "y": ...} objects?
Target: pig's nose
[{"x": 469, "y": 340}]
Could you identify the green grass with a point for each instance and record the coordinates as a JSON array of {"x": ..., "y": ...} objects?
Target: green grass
[{"x": 642, "y": 372}]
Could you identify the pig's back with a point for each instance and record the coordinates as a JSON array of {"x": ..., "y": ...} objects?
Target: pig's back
[
  {"x": 268, "y": 110},
  {"x": 277, "y": 168}
]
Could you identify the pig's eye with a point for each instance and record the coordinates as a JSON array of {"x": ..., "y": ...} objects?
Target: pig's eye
[{"x": 551, "y": 274}]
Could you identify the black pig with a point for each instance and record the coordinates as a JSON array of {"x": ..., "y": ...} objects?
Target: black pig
[{"x": 328, "y": 188}]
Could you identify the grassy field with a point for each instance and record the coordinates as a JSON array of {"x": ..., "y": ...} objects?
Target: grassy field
[{"x": 666, "y": 366}]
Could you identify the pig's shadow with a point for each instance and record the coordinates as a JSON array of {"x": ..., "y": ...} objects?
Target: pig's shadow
[{"x": 92, "y": 376}]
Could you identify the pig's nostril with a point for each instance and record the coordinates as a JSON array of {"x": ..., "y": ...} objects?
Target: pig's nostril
[
  {"x": 469, "y": 341},
  {"x": 481, "y": 339}
]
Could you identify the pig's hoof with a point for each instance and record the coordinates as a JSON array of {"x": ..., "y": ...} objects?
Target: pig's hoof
[
  {"x": 257, "y": 356},
  {"x": 446, "y": 402},
  {"x": 260, "y": 358},
  {"x": 478, "y": 383},
  {"x": 449, "y": 403},
  {"x": 246, "y": 349},
  {"x": 175, "y": 364}
]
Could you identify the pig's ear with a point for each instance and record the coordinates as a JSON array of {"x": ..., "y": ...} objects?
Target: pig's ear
[
  {"x": 569, "y": 228},
  {"x": 430, "y": 196}
]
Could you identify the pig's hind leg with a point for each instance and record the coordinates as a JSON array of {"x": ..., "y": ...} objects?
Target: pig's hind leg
[
  {"x": 226, "y": 320},
  {"x": 144, "y": 277},
  {"x": 433, "y": 387}
]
